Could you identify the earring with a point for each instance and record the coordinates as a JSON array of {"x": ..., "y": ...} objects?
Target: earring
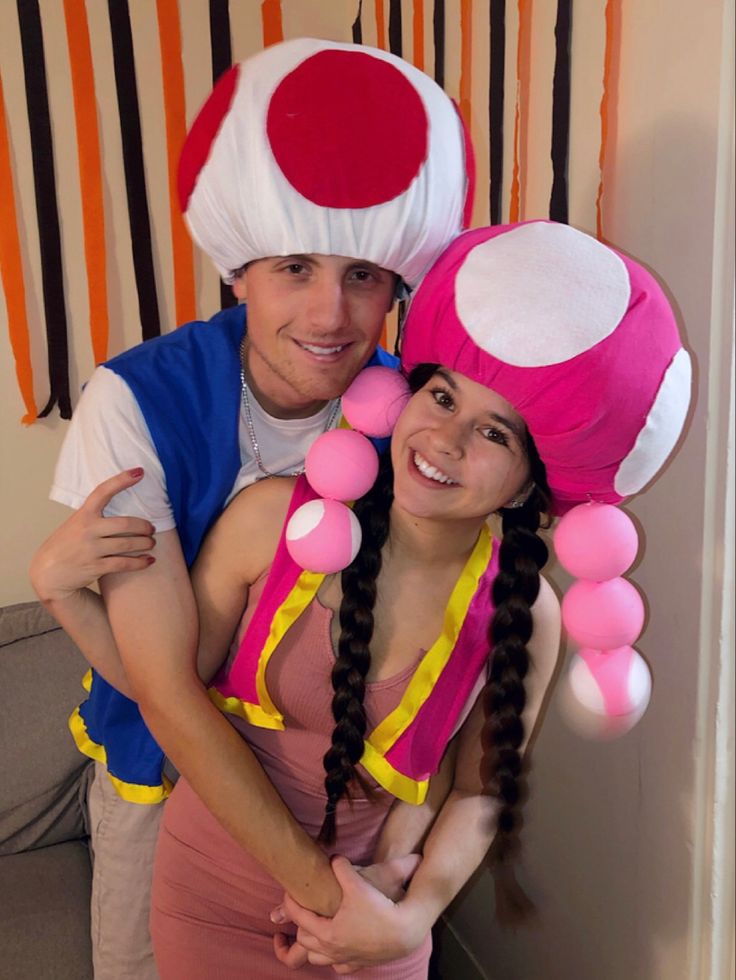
[{"x": 520, "y": 499}]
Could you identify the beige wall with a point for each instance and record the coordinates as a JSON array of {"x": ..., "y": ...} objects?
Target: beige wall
[{"x": 616, "y": 834}]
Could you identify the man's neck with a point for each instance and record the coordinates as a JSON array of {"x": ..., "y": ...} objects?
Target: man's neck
[{"x": 275, "y": 396}]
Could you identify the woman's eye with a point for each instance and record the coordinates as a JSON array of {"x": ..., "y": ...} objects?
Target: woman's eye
[
  {"x": 442, "y": 397},
  {"x": 495, "y": 435}
]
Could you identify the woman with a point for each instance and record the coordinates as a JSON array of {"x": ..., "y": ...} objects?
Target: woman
[{"x": 404, "y": 700}]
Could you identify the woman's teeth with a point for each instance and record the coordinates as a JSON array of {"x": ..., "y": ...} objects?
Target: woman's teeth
[
  {"x": 324, "y": 351},
  {"x": 431, "y": 472}
]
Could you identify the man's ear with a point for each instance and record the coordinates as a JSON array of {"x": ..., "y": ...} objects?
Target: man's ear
[{"x": 238, "y": 287}]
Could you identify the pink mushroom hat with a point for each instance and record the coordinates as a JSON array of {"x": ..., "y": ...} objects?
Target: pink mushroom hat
[
  {"x": 583, "y": 342},
  {"x": 314, "y": 146},
  {"x": 578, "y": 337}
]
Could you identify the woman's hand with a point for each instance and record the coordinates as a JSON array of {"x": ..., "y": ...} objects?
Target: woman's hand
[
  {"x": 88, "y": 545},
  {"x": 368, "y": 928}
]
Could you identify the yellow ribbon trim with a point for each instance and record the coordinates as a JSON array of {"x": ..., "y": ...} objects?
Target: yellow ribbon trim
[
  {"x": 403, "y": 787},
  {"x": 286, "y": 615},
  {"x": 131, "y": 792},
  {"x": 246, "y": 710},
  {"x": 434, "y": 661},
  {"x": 87, "y": 681}
]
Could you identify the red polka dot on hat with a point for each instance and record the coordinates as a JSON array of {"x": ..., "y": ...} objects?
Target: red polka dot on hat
[{"x": 340, "y": 150}]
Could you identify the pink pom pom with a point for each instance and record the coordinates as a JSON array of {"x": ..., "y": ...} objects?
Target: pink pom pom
[
  {"x": 596, "y": 541},
  {"x": 323, "y": 536},
  {"x": 606, "y": 692},
  {"x": 341, "y": 464},
  {"x": 603, "y": 615},
  {"x": 375, "y": 400}
]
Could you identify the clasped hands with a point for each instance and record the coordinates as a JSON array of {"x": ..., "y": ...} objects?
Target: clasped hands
[{"x": 371, "y": 926}]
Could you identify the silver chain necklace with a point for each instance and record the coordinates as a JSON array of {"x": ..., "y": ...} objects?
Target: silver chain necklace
[{"x": 252, "y": 429}]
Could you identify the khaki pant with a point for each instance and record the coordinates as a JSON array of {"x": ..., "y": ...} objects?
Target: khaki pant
[{"x": 123, "y": 840}]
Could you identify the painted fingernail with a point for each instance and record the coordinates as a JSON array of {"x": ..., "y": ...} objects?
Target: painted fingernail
[
  {"x": 150, "y": 559},
  {"x": 138, "y": 471}
]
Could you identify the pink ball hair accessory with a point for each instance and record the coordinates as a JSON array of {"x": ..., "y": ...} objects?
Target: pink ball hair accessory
[
  {"x": 374, "y": 401},
  {"x": 323, "y": 536},
  {"x": 606, "y": 692},
  {"x": 603, "y": 615},
  {"x": 341, "y": 464},
  {"x": 608, "y": 684},
  {"x": 596, "y": 541}
]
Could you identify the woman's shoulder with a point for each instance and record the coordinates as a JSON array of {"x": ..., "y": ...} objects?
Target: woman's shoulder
[{"x": 252, "y": 522}]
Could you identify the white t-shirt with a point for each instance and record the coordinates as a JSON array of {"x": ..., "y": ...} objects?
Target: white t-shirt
[{"x": 108, "y": 434}]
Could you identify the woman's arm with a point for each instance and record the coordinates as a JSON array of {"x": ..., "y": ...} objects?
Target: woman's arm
[
  {"x": 369, "y": 928},
  {"x": 82, "y": 549}
]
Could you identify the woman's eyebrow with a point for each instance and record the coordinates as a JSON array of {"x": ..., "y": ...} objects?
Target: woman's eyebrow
[
  {"x": 519, "y": 430},
  {"x": 444, "y": 373}
]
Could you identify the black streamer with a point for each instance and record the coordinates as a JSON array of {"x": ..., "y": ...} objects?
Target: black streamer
[
  {"x": 135, "y": 179},
  {"x": 222, "y": 59},
  {"x": 558, "y": 202},
  {"x": 495, "y": 106},
  {"x": 47, "y": 211}
]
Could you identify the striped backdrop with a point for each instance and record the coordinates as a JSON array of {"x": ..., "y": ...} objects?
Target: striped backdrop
[{"x": 96, "y": 96}]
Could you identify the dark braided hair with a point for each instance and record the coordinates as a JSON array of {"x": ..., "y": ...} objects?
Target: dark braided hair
[
  {"x": 521, "y": 556},
  {"x": 353, "y": 652}
]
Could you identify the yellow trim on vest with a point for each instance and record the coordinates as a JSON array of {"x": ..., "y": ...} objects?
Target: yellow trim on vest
[
  {"x": 87, "y": 681},
  {"x": 403, "y": 787},
  {"x": 131, "y": 792},
  {"x": 246, "y": 710},
  {"x": 434, "y": 661},
  {"x": 84, "y": 743},
  {"x": 286, "y": 615}
]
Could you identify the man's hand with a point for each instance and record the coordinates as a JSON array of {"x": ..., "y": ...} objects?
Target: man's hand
[
  {"x": 88, "y": 545},
  {"x": 368, "y": 928}
]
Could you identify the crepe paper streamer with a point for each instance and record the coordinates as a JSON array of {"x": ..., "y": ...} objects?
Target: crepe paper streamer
[
  {"x": 47, "y": 212},
  {"x": 466, "y": 59},
  {"x": 394, "y": 27},
  {"x": 172, "y": 74},
  {"x": 558, "y": 203},
  {"x": 222, "y": 59},
  {"x": 417, "y": 30},
  {"x": 438, "y": 27},
  {"x": 90, "y": 174},
  {"x": 521, "y": 110},
  {"x": 380, "y": 25},
  {"x": 135, "y": 177},
  {"x": 497, "y": 47},
  {"x": 357, "y": 27},
  {"x": 11, "y": 273},
  {"x": 273, "y": 29},
  {"x": 607, "y": 108}
]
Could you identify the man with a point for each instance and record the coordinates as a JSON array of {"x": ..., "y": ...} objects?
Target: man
[{"x": 319, "y": 206}]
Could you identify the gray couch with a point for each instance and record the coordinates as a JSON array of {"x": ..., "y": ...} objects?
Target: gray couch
[{"x": 45, "y": 870}]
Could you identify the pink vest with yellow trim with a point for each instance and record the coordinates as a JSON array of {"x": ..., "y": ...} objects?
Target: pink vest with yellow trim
[{"x": 406, "y": 748}]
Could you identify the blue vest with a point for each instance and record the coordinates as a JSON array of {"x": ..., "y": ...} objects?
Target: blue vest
[{"x": 187, "y": 384}]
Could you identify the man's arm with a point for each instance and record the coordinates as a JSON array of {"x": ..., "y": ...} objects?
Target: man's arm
[{"x": 153, "y": 617}]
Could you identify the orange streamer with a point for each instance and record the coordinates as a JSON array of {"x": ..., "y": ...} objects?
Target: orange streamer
[
  {"x": 466, "y": 48},
  {"x": 418, "y": 34},
  {"x": 611, "y": 60},
  {"x": 169, "y": 31},
  {"x": 11, "y": 272},
  {"x": 380, "y": 26},
  {"x": 90, "y": 174},
  {"x": 521, "y": 109},
  {"x": 273, "y": 28}
]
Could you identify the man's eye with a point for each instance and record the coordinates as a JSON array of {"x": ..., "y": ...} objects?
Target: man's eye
[{"x": 295, "y": 268}]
